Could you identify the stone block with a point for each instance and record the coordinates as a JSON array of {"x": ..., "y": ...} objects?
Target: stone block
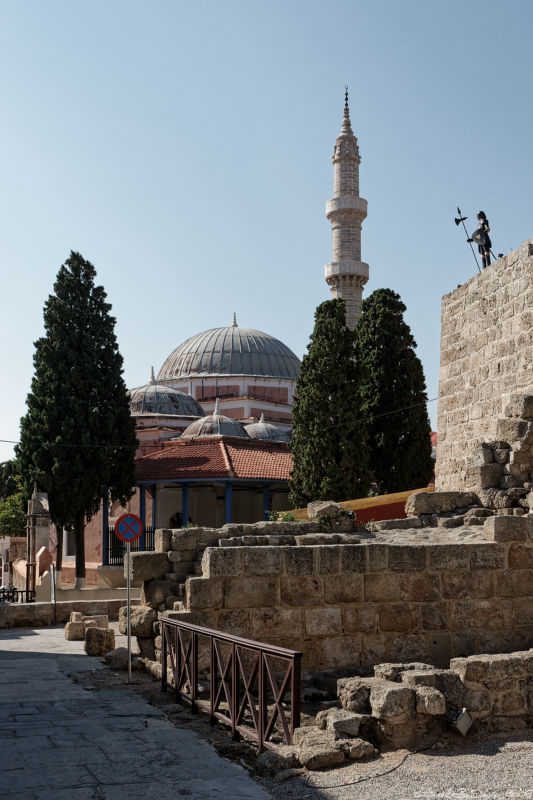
[
  {"x": 99, "y": 641},
  {"x": 521, "y": 406},
  {"x": 363, "y": 618},
  {"x": 523, "y": 611},
  {"x": 301, "y": 590},
  {"x": 450, "y": 522},
  {"x": 218, "y": 561},
  {"x": 261, "y": 560},
  {"x": 117, "y": 659},
  {"x": 354, "y": 694},
  {"x": 434, "y": 616},
  {"x": 357, "y": 748},
  {"x": 510, "y": 429},
  {"x": 381, "y": 587},
  {"x": 399, "y": 617},
  {"x": 162, "y": 540},
  {"x": 487, "y": 556},
  {"x": 203, "y": 593},
  {"x": 377, "y": 557},
  {"x": 420, "y": 587},
  {"x": 407, "y": 558},
  {"x": 235, "y": 621},
  {"x": 329, "y": 559},
  {"x": 432, "y": 502},
  {"x": 515, "y": 583},
  {"x": 154, "y": 592},
  {"x": 145, "y": 566},
  {"x": 184, "y": 539},
  {"x": 395, "y": 672},
  {"x": 344, "y": 588},
  {"x": 323, "y": 508},
  {"x": 449, "y": 556},
  {"x": 142, "y": 620},
  {"x": 146, "y": 647},
  {"x": 463, "y": 584},
  {"x": 76, "y": 616},
  {"x": 505, "y": 529},
  {"x": 391, "y": 702},
  {"x": 97, "y": 620},
  {"x": 317, "y": 749},
  {"x": 405, "y": 523},
  {"x": 429, "y": 701},
  {"x": 409, "y": 647},
  {"x": 270, "y": 624},
  {"x": 323, "y": 621},
  {"x": 419, "y": 677},
  {"x": 299, "y": 560},
  {"x": 353, "y": 558},
  {"x": 75, "y": 631},
  {"x": 344, "y": 723},
  {"x": 488, "y": 476},
  {"x": 248, "y": 592}
]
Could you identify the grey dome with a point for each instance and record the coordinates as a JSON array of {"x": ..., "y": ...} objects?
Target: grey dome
[
  {"x": 231, "y": 351},
  {"x": 267, "y": 431},
  {"x": 156, "y": 398},
  {"x": 215, "y": 424}
]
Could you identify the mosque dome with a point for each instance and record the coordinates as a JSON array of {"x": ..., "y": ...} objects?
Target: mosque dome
[
  {"x": 215, "y": 424},
  {"x": 231, "y": 351},
  {"x": 267, "y": 431},
  {"x": 156, "y": 398}
]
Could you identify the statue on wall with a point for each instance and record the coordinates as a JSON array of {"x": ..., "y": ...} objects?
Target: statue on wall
[{"x": 482, "y": 239}]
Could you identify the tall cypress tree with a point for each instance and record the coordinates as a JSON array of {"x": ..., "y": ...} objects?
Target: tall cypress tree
[
  {"x": 78, "y": 437},
  {"x": 330, "y": 460},
  {"x": 393, "y": 395}
]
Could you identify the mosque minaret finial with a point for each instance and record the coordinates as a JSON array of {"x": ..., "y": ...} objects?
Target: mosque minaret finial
[
  {"x": 152, "y": 376},
  {"x": 347, "y": 274},
  {"x": 234, "y": 323}
]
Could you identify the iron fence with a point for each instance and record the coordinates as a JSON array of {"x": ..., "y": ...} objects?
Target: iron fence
[
  {"x": 254, "y": 688},
  {"x": 116, "y": 548},
  {"x": 10, "y": 594}
]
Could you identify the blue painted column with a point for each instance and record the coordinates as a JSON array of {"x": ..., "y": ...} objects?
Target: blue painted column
[
  {"x": 142, "y": 514},
  {"x": 228, "y": 503},
  {"x": 154, "y": 498},
  {"x": 184, "y": 504},
  {"x": 266, "y": 500},
  {"x": 105, "y": 531}
]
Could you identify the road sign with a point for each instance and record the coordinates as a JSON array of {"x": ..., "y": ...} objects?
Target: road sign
[{"x": 128, "y": 528}]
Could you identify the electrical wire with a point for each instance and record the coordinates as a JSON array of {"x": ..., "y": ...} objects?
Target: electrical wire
[
  {"x": 379, "y": 774},
  {"x": 128, "y": 446}
]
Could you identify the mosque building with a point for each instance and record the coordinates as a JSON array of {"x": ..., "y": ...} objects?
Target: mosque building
[{"x": 214, "y": 426}]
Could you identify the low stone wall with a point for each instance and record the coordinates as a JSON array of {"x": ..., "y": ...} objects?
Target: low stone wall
[
  {"x": 28, "y": 615},
  {"x": 425, "y": 594}
]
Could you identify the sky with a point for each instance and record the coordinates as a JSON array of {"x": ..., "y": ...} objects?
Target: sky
[{"x": 185, "y": 150}]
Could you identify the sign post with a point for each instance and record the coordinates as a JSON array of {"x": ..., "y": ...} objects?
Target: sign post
[{"x": 128, "y": 528}]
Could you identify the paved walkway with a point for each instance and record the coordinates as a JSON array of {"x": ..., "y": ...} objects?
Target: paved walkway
[{"x": 61, "y": 742}]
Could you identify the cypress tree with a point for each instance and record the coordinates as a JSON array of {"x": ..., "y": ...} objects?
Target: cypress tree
[
  {"x": 399, "y": 443},
  {"x": 78, "y": 437},
  {"x": 330, "y": 460}
]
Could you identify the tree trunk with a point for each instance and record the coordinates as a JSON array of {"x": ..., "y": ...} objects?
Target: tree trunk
[
  {"x": 79, "y": 530},
  {"x": 59, "y": 550}
]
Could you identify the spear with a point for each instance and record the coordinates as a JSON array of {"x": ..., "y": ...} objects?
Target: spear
[{"x": 458, "y": 220}]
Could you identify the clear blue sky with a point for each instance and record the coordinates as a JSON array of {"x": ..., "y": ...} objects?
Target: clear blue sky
[{"x": 185, "y": 149}]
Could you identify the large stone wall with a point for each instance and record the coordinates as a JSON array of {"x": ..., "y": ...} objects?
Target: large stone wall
[
  {"x": 402, "y": 596},
  {"x": 486, "y": 355}
]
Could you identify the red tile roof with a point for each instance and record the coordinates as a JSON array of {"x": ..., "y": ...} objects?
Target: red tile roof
[{"x": 216, "y": 458}]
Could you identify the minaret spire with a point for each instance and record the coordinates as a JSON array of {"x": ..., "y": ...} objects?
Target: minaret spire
[{"x": 347, "y": 274}]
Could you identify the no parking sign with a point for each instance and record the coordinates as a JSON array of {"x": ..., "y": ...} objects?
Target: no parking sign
[{"x": 128, "y": 528}]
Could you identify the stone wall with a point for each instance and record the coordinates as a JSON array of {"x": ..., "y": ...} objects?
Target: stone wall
[
  {"x": 400, "y": 596},
  {"x": 486, "y": 355},
  {"x": 20, "y": 615}
]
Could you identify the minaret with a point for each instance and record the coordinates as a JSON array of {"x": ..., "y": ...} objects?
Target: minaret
[{"x": 347, "y": 274}]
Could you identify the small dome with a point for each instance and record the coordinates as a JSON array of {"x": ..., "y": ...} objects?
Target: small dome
[
  {"x": 215, "y": 424},
  {"x": 156, "y": 398},
  {"x": 231, "y": 351},
  {"x": 267, "y": 431}
]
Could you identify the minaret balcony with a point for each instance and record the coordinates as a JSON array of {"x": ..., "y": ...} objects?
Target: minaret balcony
[
  {"x": 339, "y": 269},
  {"x": 347, "y": 202}
]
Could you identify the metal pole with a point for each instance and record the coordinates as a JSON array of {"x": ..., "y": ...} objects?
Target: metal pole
[
  {"x": 128, "y": 604},
  {"x": 468, "y": 238}
]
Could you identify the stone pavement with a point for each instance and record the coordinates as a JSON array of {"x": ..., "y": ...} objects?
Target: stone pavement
[{"x": 59, "y": 741}]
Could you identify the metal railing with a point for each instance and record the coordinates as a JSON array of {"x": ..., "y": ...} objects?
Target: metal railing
[
  {"x": 117, "y": 548},
  {"x": 10, "y": 594},
  {"x": 246, "y": 690}
]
